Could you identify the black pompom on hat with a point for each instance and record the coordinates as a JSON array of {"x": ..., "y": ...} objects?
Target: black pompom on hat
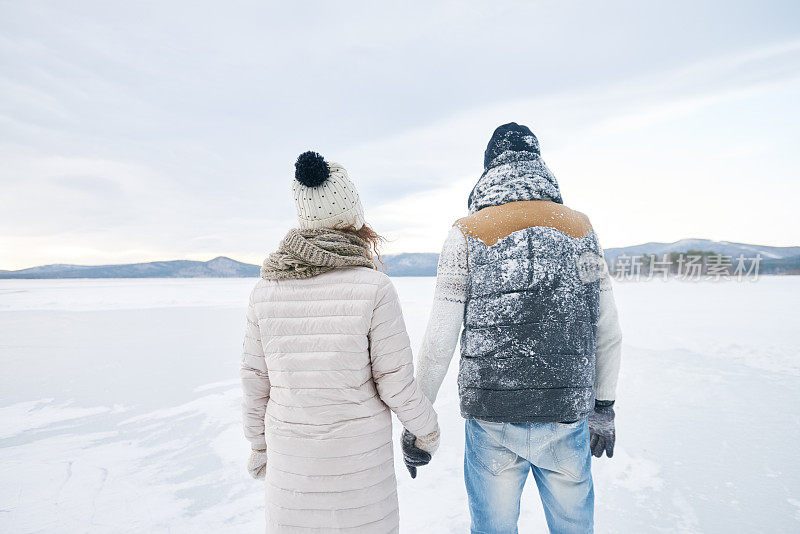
[{"x": 310, "y": 169}]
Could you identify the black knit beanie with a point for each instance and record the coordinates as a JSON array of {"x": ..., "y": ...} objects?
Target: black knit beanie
[
  {"x": 514, "y": 137},
  {"x": 513, "y": 170}
]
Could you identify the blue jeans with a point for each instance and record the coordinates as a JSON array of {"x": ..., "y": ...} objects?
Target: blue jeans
[{"x": 497, "y": 459}]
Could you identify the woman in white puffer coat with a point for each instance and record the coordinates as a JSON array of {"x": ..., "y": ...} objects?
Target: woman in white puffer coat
[{"x": 326, "y": 357}]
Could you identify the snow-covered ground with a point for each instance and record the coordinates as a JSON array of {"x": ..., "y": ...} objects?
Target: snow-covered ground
[{"x": 119, "y": 411}]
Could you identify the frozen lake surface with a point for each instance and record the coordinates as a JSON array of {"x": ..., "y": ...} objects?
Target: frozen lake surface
[{"x": 119, "y": 411}]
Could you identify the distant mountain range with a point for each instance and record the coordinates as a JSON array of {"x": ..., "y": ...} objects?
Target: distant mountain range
[
  {"x": 725, "y": 248},
  {"x": 775, "y": 260},
  {"x": 414, "y": 264},
  {"x": 220, "y": 267},
  {"x": 411, "y": 264}
]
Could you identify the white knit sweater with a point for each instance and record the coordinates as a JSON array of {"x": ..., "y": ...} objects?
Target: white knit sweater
[{"x": 447, "y": 315}]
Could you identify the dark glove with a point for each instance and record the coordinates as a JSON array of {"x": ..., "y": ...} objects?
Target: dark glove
[
  {"x": 601, "y": 429},
  {"x": 413, "y": 456}
]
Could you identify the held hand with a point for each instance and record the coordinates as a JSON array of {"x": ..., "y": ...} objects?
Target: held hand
[
  {"x": 601, "y": 430},
  {"x": 413, "y": 456},
  {"x": 257, "y": 464}
]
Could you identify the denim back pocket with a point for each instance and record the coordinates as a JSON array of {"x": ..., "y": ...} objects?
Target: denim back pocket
[
  {"x": 570, "y": 446},
  {"x": 488, "y": 449}
]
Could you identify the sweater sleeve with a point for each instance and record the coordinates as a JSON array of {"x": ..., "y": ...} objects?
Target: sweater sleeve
[
  {"x": 255, "y": 381},
  {"x": 447, "y": 314},
  {"x": 609, "y": 345},
  {"x": 393, "y": 366}
]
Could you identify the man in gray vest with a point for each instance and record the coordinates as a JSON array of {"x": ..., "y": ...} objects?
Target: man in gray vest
[{"x": 540, "y": 346}]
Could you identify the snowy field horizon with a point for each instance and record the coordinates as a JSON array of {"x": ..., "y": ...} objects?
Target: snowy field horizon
[
  {"x": 120, "y": 411},
  {"x": 772, "y": 260}
]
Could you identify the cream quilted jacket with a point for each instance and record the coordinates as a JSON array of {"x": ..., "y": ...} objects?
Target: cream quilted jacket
[{"x": 324, "y": 361}]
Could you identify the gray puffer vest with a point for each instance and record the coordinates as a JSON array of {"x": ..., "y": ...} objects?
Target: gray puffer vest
[{"x": 530, "y": 327}]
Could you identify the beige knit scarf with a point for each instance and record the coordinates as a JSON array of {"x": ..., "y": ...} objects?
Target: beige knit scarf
[{"x": 307, "y": 253}]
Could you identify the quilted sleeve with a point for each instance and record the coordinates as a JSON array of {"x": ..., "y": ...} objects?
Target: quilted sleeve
[
  {"x": 393, "y": 367},
  {"x": 255, "y": 381}
]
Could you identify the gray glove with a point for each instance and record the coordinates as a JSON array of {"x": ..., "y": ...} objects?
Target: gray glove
[
  {"x": 413, "y": 456},
  {"x": 257, "y": 464},
  {"x": 601, "y": 429}
]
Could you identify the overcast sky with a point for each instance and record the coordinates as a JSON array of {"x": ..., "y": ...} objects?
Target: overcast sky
[{"x": 162, "y": 130}]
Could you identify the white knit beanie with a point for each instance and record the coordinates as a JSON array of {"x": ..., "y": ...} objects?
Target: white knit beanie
[{"x": 324, "y": 195}]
